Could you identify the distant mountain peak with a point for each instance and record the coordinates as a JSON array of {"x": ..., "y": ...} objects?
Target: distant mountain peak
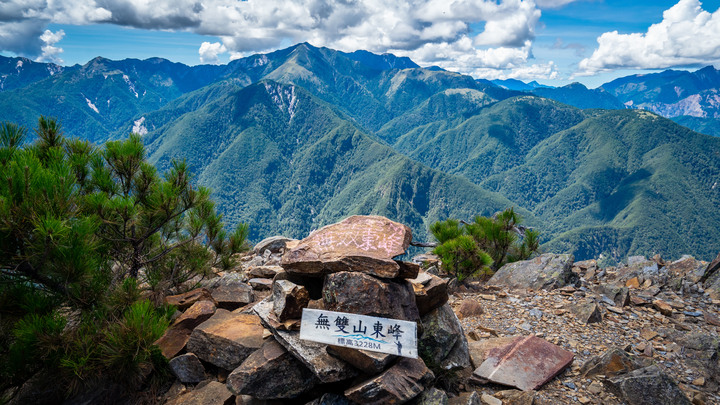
[{"x": 385, "y": 61}]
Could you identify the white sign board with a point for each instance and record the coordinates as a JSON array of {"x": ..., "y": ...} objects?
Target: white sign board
[{"x": 383, "y": 335}]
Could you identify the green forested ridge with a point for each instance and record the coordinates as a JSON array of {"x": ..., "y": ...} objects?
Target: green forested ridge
[
  {"x": 300, "y": 137},
  {"x": 284, "y": 160},
  {"x": 580, "y": 96}
]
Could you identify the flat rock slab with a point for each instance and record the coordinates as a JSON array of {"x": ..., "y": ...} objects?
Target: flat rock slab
[
  {"x": 173, "y": 341},
  {"x": 226, "y": 339},
  {"x": 264, "y": 271},
  {"x": 398, "y": 384},
  {"x": 232, "y": 294},
  {"x": 212, "y": 393},
  {"x": 364, "y": 360},
  {"x": 312, "y": 354},
  {"x": 545, "y": 272},
  {"x": 186, "y": 300},
  {"x": 271, "y": 372},
  {"x": 526, "y": 363},
  {"x": 359, "y": 243},
  {"x": 479, "y": 349},
  {"x": 260, "y": 283},
  {"x": 198, "y": 313}
]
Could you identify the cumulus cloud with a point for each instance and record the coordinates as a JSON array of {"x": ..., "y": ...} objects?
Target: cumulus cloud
[
  {"x": 415, "y": 28},
  {"x": 51, "y": 53},
  {"x": 209, "y": 52},
  {"x": 687, "y": 36}
]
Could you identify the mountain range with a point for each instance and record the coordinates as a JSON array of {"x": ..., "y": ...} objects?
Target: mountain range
[{"x": 295, "y": 139}]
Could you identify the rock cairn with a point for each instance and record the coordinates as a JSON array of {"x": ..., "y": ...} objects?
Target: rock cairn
[{"x": 243, "y": 327}]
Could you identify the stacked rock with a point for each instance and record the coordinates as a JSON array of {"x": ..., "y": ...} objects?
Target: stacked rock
[
  {"x": 349, "y": 267},
  {"x": 345, "y": 267}
]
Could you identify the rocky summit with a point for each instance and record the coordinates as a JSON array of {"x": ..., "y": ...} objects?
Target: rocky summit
[{"x": 548, "y": 330}]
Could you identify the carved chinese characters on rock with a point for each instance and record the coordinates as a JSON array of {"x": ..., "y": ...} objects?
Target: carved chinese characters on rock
[{"x": 359, "y": 243}]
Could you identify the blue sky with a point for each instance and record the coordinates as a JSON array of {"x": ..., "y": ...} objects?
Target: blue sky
[{"x": 552, "y": 41}]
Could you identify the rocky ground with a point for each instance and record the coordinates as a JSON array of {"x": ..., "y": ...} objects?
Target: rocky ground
[
  {"x": 678, "y": 343},
  {"x": 646, "y": 332}
]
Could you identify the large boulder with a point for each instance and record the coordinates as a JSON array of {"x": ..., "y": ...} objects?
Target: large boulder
[
  {"x": 187, "y": 368},
  {"x": 545, "y": 272},
  {"x": 275, "y": 244},
  {"x": 226, "y": 339},
  {"x": 646, "y": 386},
  {"x": 443, "y": 345},
  {"x": 359, "y": 243},
  {"x": 271, "y": 372},
  {"x": 612, "y": 363},
  {"x": 398, "y": 384},
  {"x": 362, "y": 294},
  {"x": 711, "y": 278},
  {"x": 688, "y": 268}
]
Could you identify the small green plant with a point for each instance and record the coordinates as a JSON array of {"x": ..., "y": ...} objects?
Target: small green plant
[
  {"x": 128, "y": 349},
  {"x": 484, "y": 245}
]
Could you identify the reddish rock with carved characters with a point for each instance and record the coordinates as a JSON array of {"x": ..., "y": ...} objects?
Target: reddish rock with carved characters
[{"x": 359, "y": 243}]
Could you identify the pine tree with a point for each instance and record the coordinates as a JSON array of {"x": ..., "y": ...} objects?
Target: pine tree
[
  {"x": 81, "y": 228},
  {"x": 483, "y": 246}
]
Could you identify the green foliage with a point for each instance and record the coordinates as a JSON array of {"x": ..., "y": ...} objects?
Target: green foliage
[
  {"x": 127, "y": 348},
  {"x": 37, "y": 340},
  {"x": 498, "y": 235},
  {"x": 81, "y": 229},
  {"x": 483, "y": 246}
]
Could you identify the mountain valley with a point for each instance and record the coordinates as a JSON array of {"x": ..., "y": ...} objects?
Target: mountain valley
[{"x": 302, "y": 137}]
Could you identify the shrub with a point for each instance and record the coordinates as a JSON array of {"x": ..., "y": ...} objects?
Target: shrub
[{"x": 483, "y": 246}]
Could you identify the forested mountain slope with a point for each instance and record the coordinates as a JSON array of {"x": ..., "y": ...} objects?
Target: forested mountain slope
[{"x": 295, "y": 139}]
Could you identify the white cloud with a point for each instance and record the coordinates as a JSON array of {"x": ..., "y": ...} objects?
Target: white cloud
[
  {"x": 416, "y": 28},
  {"x": 553, "y": 3},
  {"x": 209, "y": 52},
  {"x": 51, "y": 53},
  {"x": 687, "y": 36}
]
